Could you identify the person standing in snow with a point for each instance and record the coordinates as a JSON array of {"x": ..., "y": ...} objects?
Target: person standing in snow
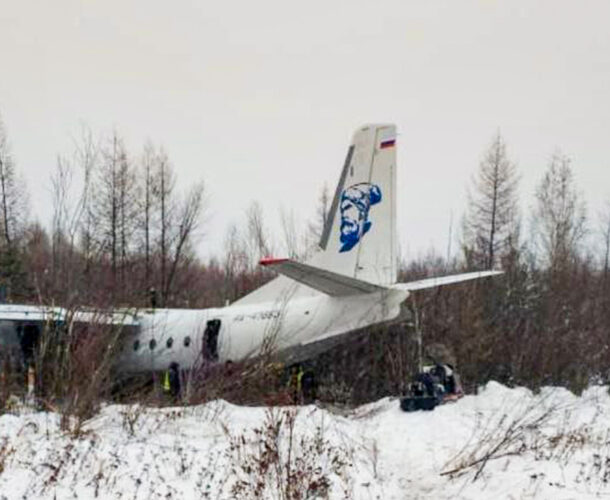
[
  {"x": 294, "y": 384},
  {"x": 308, "y": 386},
  {"x": 171, "y": 381}
]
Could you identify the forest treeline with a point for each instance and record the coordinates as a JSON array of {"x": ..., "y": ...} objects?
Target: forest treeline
[{"x": 122, "y": 233}]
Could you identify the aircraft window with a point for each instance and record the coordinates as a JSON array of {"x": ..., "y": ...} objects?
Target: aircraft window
[
  {"x": 187, "y": 341},
  {"x": 169, "y": 343},
  {"x": 152, "y": 344},
  {"x": 136, "y": 345}
]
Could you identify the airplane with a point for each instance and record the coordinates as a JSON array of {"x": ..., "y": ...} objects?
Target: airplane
[{"x": 348, "y": 284}]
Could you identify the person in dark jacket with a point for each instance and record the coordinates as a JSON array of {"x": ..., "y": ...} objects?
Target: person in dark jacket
[{"x": 308, "y": 386}]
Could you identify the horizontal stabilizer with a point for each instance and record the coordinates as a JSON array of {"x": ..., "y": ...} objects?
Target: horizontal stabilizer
[
  {"x": 444, "y": 280},
  {"x": 336, "y": 285}
]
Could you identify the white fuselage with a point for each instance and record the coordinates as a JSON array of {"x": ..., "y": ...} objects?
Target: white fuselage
[{"x": 177, "y": 335}]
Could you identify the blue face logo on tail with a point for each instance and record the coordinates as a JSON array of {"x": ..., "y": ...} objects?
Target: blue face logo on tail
[{"x": 356, "y": 201}]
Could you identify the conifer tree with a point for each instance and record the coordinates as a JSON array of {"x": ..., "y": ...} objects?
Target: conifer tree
[{"x": 491, "y": 225}]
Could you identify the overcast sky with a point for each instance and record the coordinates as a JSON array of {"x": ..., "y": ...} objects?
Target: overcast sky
[{"x": 260, "y": 98}]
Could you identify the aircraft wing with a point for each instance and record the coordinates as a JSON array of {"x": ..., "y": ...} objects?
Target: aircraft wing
[
  {"x": 19, "y": 312},
  {"x": 23, "y": 312},
  {"x": 334, "y": 284},
  {"x": 444, "y": 280}
]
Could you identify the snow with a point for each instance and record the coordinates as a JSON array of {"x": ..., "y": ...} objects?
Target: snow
[{"x": 501, "y": 443}]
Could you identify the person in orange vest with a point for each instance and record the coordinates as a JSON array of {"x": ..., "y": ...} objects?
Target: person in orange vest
[{"x": 31, "y": 394}]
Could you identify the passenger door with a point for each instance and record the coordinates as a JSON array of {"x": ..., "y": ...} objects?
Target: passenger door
[{"x": 210, "y": 340}]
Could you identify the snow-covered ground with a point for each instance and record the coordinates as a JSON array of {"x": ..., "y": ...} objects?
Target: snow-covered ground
[{"x": 502, "y": 443}]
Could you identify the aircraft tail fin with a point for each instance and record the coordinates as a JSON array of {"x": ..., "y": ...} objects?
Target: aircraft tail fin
[{"x": 359, "y": 238}]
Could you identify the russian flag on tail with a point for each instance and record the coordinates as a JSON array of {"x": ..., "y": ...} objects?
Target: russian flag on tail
[
  {"x": 387, "y": 143},
  {"x": 387, "y": 139}
]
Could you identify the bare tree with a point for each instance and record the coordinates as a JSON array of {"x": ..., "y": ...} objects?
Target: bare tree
[
  {"x": 258, "y": 238},
  {"x": 163, "y": 197},
  {"x": 605, "y": 234},
  {"x": 86, "y": 158},
  {"x": 107, "y": 200},
  {"x": 14, "y": 203},
  {"x": 147, "y": 205},
  {"x": 235, "y": 262},
  {"x": 188, "y": 220},
  {"x": 71, "y": 185},
  {"x": 72, "y": 216},
  {"x": 61, "y": 182},
  {"x": 316, "y": 226},
  {"x": 300, "y": 238},
  {"x": 560, "y": 214},
  {"x": 290, "y": 233},
  {"x": 14, "y": 209},
  {"x": 7, "y": 176},
  {"x": 37, "y": 255},
  {"x": 114, "y": 206},
  {"x": 127, "y": 209},
  {"x": 491, "y": 222}
]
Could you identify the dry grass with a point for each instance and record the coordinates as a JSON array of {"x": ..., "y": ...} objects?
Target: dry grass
[{"x": 277, "y": 462}]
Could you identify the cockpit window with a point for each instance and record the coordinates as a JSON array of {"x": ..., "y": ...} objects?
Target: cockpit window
[
  {"x": 152, "y": 344},
  {"x": 187, "y": 341},
  {"x": 169, "y": 343}
]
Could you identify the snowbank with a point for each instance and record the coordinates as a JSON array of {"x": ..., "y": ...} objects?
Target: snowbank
[{"x": 502, "y": 443}]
